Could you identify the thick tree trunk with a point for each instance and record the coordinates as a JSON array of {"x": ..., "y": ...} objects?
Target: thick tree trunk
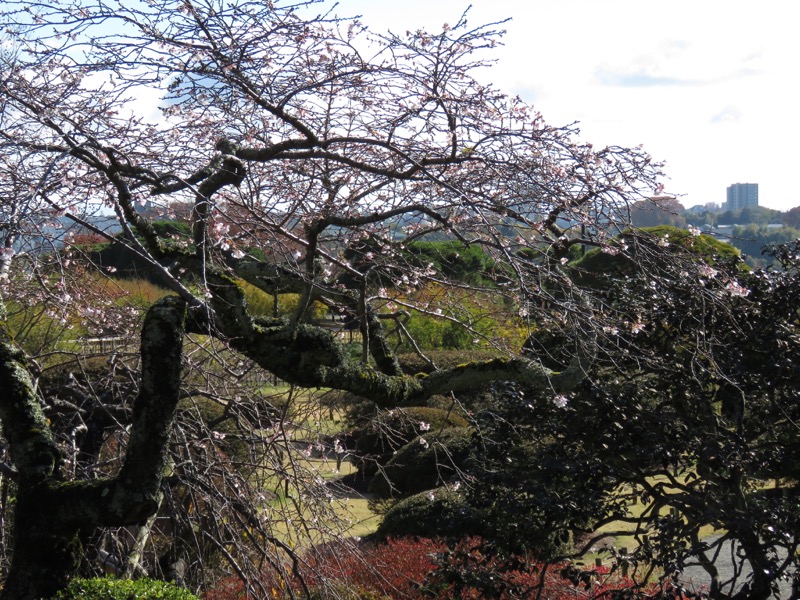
[
  {"x": 50, "y": 512},
  {"x": 46, "y": 552}
]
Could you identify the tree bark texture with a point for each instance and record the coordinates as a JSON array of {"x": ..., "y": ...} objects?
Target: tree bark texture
[
  {"x": 311, "y": 356},
  {"x": 51, "y": 513}
]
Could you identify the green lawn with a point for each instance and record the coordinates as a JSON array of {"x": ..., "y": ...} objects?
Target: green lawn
[{"x": 350, "y": 514}]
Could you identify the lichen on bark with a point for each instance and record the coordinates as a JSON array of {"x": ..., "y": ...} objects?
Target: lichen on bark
[
  {"x": 311, "y": 356},
  {"x": 50, "y": 513}
]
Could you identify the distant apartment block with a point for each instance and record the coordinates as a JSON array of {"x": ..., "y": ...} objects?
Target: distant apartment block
[{"x": 741, "y": 195}]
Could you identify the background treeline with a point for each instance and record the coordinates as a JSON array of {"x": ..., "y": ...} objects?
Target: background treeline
[{"x": 750, "y": 229}]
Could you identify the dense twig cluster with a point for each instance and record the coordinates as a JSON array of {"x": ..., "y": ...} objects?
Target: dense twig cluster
[{"x": 315, "y": 159}]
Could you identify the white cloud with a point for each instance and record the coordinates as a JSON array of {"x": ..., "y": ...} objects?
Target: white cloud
[
  {"x": 707, "y": 86},
  {"x": 729, "y": 114}
]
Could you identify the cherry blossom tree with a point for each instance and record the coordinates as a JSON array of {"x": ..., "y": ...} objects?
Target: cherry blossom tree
[{"x": 312, "y": 153}]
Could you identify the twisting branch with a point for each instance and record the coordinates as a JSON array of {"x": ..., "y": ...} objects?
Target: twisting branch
[{"x": 51, "y": 513}]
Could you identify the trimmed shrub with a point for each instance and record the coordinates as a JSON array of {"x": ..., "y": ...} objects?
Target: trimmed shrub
[
  {"x": 108, "y": 588},
  {"x": 440, "y": 512},
  {"x": 262, "y": 304},
  {"x": 424, "y": 463},
  {"x": 598, "y": 264},
  {"x": 378, "y": 440}
]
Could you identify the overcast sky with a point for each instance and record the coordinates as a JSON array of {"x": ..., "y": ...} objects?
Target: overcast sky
[{"x": 709, "y": 86}]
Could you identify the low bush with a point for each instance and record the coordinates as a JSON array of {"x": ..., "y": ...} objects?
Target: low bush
[
  {"x": 426, "y": 462},
  {"x": 108, "y": 588},
  {"x": 441, "y": 512},
  {"x": 385, "y": 433},
  {"x": 413, "y": 568}
]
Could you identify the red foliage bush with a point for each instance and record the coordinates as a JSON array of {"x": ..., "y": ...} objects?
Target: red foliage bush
[
  {"x": 421, "y": 568},
  {"x": 395, "y": 569}
]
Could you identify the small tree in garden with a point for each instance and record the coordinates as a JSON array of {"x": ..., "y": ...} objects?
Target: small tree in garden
[{"x": 313, "y": 154}]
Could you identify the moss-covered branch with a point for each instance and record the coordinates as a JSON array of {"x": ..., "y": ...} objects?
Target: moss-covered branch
[
  {"x": 311, "y": 356},
  {"x": 33, "y": 449},
  {"x": 154, "y": 409},
  {"x": 50, "y": 512}
]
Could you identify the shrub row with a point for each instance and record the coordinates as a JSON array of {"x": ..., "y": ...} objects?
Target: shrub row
[{"x": 423, "y": 568}]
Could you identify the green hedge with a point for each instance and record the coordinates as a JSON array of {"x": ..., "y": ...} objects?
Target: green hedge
[{"x": 108, "y": 588}]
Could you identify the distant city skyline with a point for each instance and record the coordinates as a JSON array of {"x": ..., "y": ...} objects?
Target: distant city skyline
[{"x": 706, "y": 86}]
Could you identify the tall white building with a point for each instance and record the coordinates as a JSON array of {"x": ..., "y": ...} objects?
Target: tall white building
[{"x": 741, "y": 195}]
